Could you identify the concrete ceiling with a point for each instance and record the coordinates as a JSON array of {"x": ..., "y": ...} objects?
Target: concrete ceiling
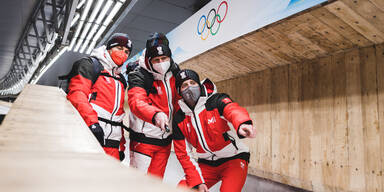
[{"x": 145, "y": 17}]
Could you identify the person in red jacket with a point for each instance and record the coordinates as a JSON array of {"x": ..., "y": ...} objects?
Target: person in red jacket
[
  {"x": 96, "y": 90},
  {"x": 152, "y": 99},
  {"x": 204, "y": 121}
]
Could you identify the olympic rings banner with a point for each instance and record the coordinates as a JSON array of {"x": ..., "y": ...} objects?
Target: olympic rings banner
[{"x": 223, "y": 20}]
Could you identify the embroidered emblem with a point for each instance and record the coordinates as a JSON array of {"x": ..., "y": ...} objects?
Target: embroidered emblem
[
  {"x": 183, "y": 76},
  {"x": 211, "y": 120},
  {"x": 159, "y": 91},
  {"x": 160, "y": 50},
  {"x": 242, "y": 165}
]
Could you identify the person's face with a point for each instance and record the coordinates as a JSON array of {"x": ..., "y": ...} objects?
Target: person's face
[
  {"x": 160, "y": 59},
  {"x": 119, "y": 48},
  {"x": 188, "y": 83}
]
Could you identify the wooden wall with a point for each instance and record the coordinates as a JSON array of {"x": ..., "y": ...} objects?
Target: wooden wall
[
  {"x": 320, "y": 123},
  {"x": 333, "y": 27}
]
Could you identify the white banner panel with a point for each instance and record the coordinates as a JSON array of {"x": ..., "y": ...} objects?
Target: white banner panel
[{"x": 223, "y": 20}]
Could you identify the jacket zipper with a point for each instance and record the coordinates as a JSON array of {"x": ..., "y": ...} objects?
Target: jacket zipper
[
  {"x": 116, "y": 104},
  {"x": 167, "y": 93},
  {"x": 201, "y": 137}
]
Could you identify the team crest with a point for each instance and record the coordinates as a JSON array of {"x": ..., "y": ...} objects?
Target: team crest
[
  {"x": 183, "y": 76},
  {"x": 160, "y": 50}
]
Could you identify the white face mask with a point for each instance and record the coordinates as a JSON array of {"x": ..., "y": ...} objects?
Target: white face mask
[{"x": 162, "y": 67}]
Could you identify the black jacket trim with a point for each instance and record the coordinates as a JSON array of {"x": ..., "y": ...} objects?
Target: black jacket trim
[
  {"x": 112, "y": 143},
  {"x": 244, "y": 156},
  {"x": 114, "y": 123},
  {"x": 140, "y": 77},
  {"x": 216, "y": 101},
  {"x": 140, "y": 137},
  {"x": 178, "y": 118}
]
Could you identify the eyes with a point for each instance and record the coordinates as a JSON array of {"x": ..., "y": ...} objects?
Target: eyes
[
  {"x": 188, "y": 83},
  {"x": 121, "y": 48},
  {"x": 159, "y": 59}
]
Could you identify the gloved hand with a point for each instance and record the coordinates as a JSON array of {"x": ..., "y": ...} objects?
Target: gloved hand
[
  {"x": 202, "y": 188},
  {"x": 161, "y": 120},
  {"x": 98, "y": 133},
  {"x": 131, "y": 66},
  {"x": 247, "y": 130},
  {"x": 122, "y": 155}
]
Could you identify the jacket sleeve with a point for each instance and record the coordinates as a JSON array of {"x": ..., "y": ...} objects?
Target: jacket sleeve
[
  {"x": 183, "y": 153},
  {"x": 139, "y": 102},
  {"x": 80, "y": 88},
  {"x": 231, "y": 111}
]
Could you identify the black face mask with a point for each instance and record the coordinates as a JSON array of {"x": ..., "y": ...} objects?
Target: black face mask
[{"x": 191, "y": 95}]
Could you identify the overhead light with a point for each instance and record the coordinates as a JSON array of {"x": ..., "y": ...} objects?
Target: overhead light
[
  {"x": 75, "y": 19},
  {"x": 78, "y": 29},
  {"x": 89, "y": 23},
  {"x": 80, "y": 4},
  {"x": 96, "y": 25},
  {"x": 106, "y": 22}
]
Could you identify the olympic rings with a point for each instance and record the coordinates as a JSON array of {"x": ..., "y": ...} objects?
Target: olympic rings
[{"x": 210, "y": 23}]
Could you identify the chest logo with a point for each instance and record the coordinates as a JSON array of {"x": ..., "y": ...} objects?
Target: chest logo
[
  {"x": 159, "y": 91},
  {"x": 211, "y": 120}
]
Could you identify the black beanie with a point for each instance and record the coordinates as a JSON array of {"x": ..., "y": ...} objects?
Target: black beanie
[
  {"x": 157, "y": 45},
  {"x": 119, "y": 39},
  {"x": 184, "y": 75}
]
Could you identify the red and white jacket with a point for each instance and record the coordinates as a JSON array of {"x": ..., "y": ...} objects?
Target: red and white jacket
[
  {"x": 99, "y": 97},
  {"x": 148, "y": 94},
  {"x": 207, "y": 128}
]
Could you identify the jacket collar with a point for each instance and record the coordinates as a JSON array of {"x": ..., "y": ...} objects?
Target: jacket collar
[{"x": 106, "y": 61}]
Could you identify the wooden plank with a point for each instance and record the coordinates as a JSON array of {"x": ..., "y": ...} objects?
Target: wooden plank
[
  {"x": 370, "y": 119},
  {"x": 308, "y": 97},
  {"x": 379, "y": 4},
  {"x": 326, "y": 121},
  {"x": 275, "y": 110},
  {"x": 255, "y": 144},
  {"x": 312, "y": 29},
  {"x": 294, "y": 117},
  {"x": 355, "y": 122},
  {"x": 282, "y": 117},
  {"x": 337, "y": 41},
  {"x": 317, "y": 132},
  {"x": 340, "y": 166},
  {"x": 357, "y": 22},
  {"x": 380, "y": 86},
  {"x": 309, "y": 46},
  {"x": 287, "y": 44},
  {"x": 340, "y": 27},
  {"x": 249, "y": 53},
  {"x": 368, "y": 11},
  {"x": 280, "y": 46},
  {"x": 265, "y": 50},
  {"x": 264, "y": 110}
]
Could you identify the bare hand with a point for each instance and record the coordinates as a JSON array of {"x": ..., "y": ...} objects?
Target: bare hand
[
  {"x": 247, "y": 130},
  {"x": 202, "y": 188},
  {"x": 161, "y": 120}
]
